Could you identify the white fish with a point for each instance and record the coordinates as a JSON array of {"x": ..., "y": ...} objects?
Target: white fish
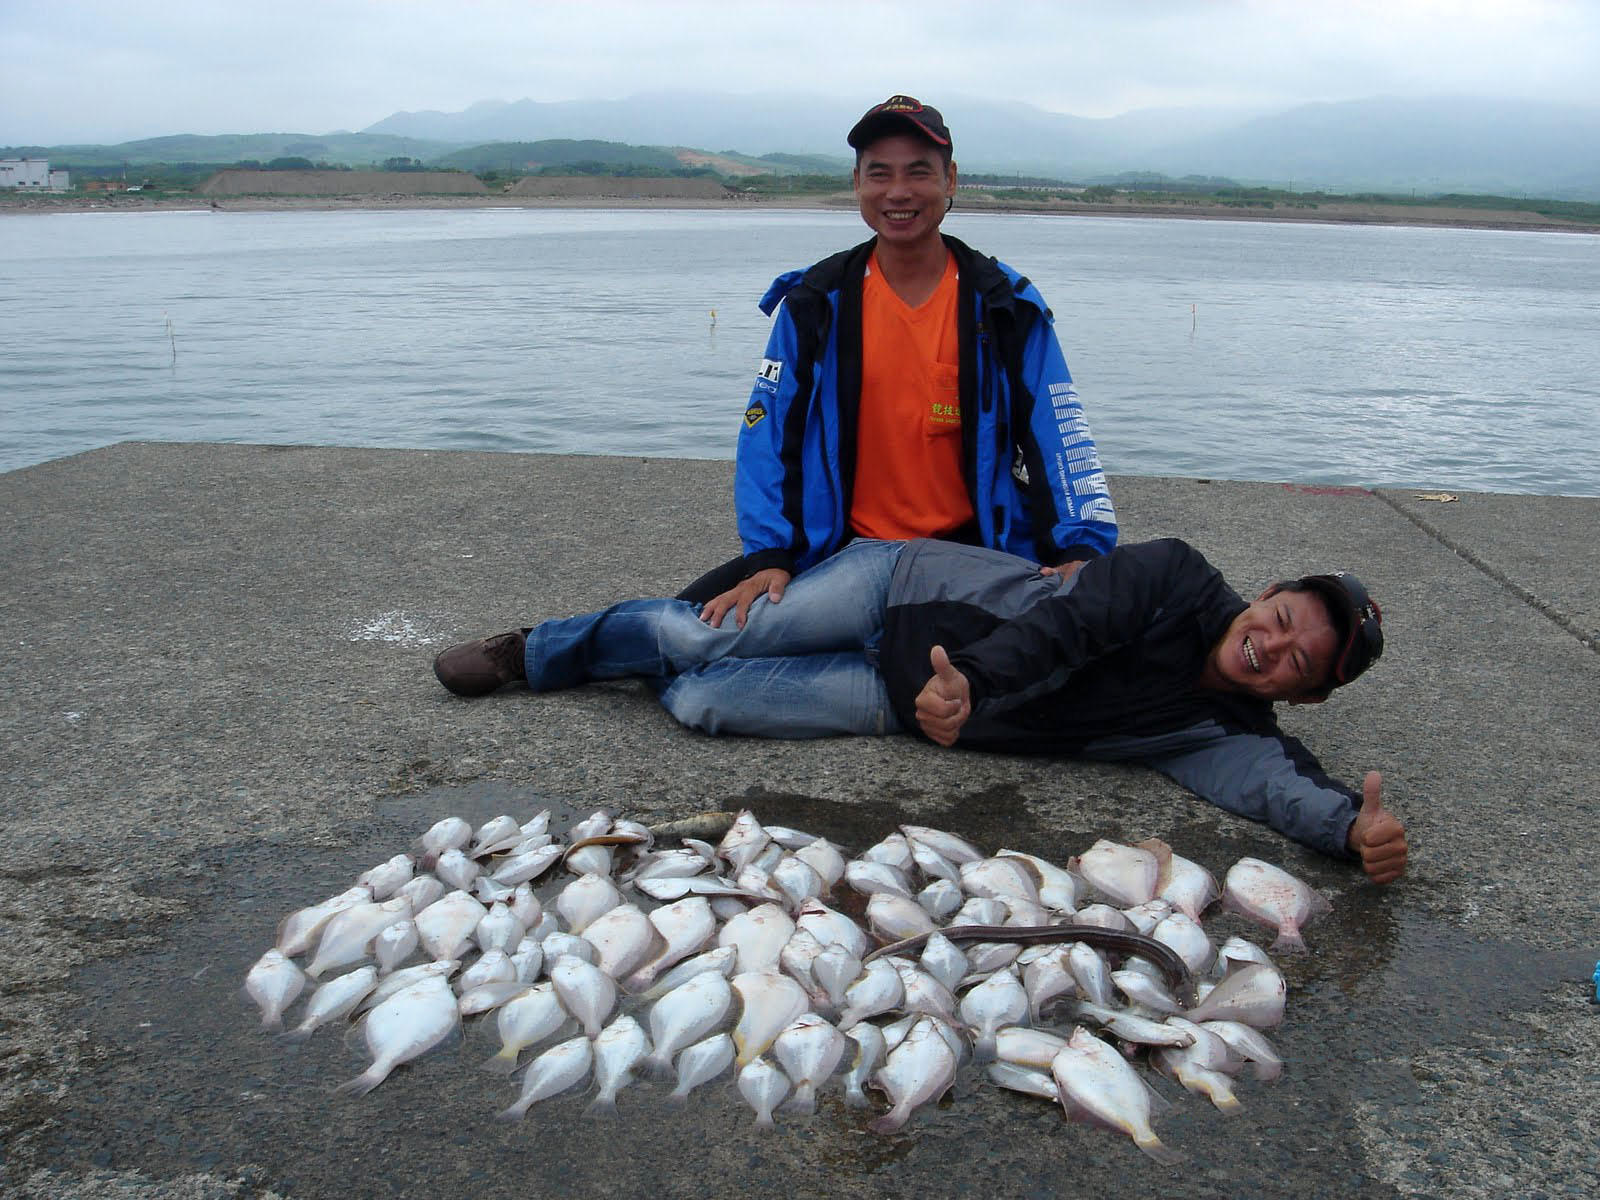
[
  {"x": 933, "y": 864},
  {"x": 1058, "y": 887},
  {"x": 273, "y": 983},
  {"x": 829, "y": 926},
  {"x": 979, "y": 910},
  {"x": 796, "y": 959},
  {"x": 299, "y": 930},
  {"x": 1027, "y": 1080},
  {"x": 487, "y": 997},
  {"x": 789, "y": 839},
  {"x": 1185, "y": 935},
  {"x": 536, "y": 824},
  {"x": 1035, "y": 1048},
  {"x": 406, "y": 977},
  {"x": 809, "y": 1051},
  {"x": 495, "y": 835},
  {"x": 941, "y": 899},
  {"x": 586, "y": 992},
  {"x": 681, "y": 863},
  {"x": 823, "y": 857},
  {"x": 879, "y": 989},
  {"x": 868, "y": 877},
  {"x": 1239, "y": 952},
  {"x": 451, "y": 833},
  {"x": 701, "y": 1063},
  {"x": 771, "y": 1001},
  {"x": 744, "y": 842},
  {"x": 404, "y": 1026},
  {"x": 446, "y": 926},
  {"x": 394, "y": 944},
  {"x": 525, "y": 1020},
  {"x": 559, "y": 1068},
  {"x": 722, "y": 960},
  {"x": 1148, "y": 915},
  {"x": 1026, "y": 912},
  {"x": 797, "y": 880},
  {"x": 944, "y": 960},
  {"x": 494, "y": 966},
  {"x": 685, "y": 928},
  {"x": 500, "y": 929},
  {"x": 530, "y": 864},
  {"x": 556, "y": 944},
  {"x": 686, "y": 1015},
  {"x": 1088, "y": 969},
  {"x": 1254, "y": 994},
  {"x": 1203, "y": 1066},
  {"x": 758, "y": 936},
  {"x": 1000, "y": 878},
  {"x": 835, "y": 968},
  {"x": 456, "y": 869},
  {"x": 1097, "y": 1082},
  {"x": 998, "y": 1001},
  {"x": 348, "y": 935},
  {"x": 624, "y": 940},
  {"x": 546, "y": 924},
  {"x": 917, "y": 1071},
  {"x": 1187, "y": 885},
  {"x": 895, "y": 850},
  {"x": 1274, "y": 897},
  {"x": 924, "y": 993},
  {"x": 621, "y": 1047},
  {"x": 763, "y": 1086},
  {"x": 334, "y": 999},
  {"x": 1126, "y": 874},
  {"x": 1045, "y": 977},
  {"x": 422, "y": 891},
  {"x": 1103, "y": 916},
  {"x": 1131, "y": 1027},
  {"x": 870, "y": 1052},
  {"x": 585, "y": 899},
  {"x": 895, "y": 917},
  {"x": 676, "y": 888},
  {"x": 1145, "y": 991},
  {"x": 1250, "y": 1045},
  {"x": 388, "y": 877},
  {"x": 947, "y": 845},
  {"x": 757, "y": 880},
  {"x": 985, "y": 958}
]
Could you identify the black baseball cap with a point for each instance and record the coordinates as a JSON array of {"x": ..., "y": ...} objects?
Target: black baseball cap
[
  {"x": 899, "y": 114},
  {"x": 1357, "y": 622}
]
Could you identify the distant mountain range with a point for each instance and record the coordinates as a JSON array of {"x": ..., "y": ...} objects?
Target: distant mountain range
[{"x": 1430, "y": 146}]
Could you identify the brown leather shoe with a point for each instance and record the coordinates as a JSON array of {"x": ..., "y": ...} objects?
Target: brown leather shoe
[{"x": 486, "y": 665}]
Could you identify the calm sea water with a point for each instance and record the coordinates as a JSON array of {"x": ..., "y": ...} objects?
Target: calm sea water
[{"x": 1319, "y": 354}]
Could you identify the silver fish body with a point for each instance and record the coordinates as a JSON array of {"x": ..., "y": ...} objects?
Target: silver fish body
[
  {"x": 585, "y": 899},
  {"x": 895, "y": 917},
  {"x": 878, "y": 989},
  {"x": 1253, "y": 994},
  {"x": 941, "y": 899},
  {"x": 406, "y": 1025},
  {"x": 686, "y": 1015},
  {"x": 809, "y": 1051},
  {"x": 835, "y": 968},
  {"x": 701, "y": 1063},
  {"x": 457, "y": 869},
  {"x": 948, "y": 846},
  {"x": 1027, "y": 1080},
  {"x": 758, "y": 936},
  {"x": 823, "y": 857},
  {"x": 389, "y": 877},
  {"x": 586, "y": 992},
  {"x": 621, "y": 1046},
  {"x": 334, "y": 999},
  {"x": 686, "y": 927},
  {"x": 529, "y": 865},
  {"x": 500, "y": 929},
  {"x": 273, "y": 983},
  {"x": 868, "y": 877},
  {"x": 346, "y": 938},
  {"x": 557, "y": 1070},
  {"x": 722, "y": 960},
  {"x": 495, "y": 966},
  {"x": 916, "y": 1072},
  {"x": 771, "y": 1001},
  {"x": 1033, "y": 1048},
  {"x": 870, "y": 1051},
  {"x": 1274, "y": 897},
  {"x": 394, "y": 944},
  {"x": 763, "y": 1087},
  {"x": 527, "y": 1019},
  {"x": 998, "y": 1001},
  {"x": 446, "y": 926},
  {"x": 1094, "y": 1080},
  {"x": 624, "y": 940}
]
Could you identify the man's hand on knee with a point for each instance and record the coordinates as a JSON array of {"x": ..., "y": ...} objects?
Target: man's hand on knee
[{"x": 769, "y": 583}]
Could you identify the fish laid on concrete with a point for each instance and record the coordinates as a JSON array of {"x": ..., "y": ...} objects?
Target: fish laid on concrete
[
  {"x": 809, "y": 1051},
  {"x": 525, "y": 1020},
  {"x": 1098, "y": 1084},
  {"x": 870, "y": 1051},
  {"x": 1254, "y": 994},
  {"x": 404, "y": 1026},
  {"x": 272, "y": 984},
  {"x": 686, "y": 1015},
  {"x": 348, "y": 935},
  {"x": 337, "y": 998},
  {"x": 586, "y": 992},
  {"x": 988, "y": 1006},
  {"x": 1127, "y": 875},
  {"x": 771, "y": 1001},
  {"x": 701, "y": 1063},
  {"x": 763, "y": 1087},
  {"x": 1271, "y": 895},
  {"x": 446, "y": 926},
  {"x": 621, "y": 1046},
  {"x": 918, "y": 1071},
  {"x": 557, "y": 1070}
]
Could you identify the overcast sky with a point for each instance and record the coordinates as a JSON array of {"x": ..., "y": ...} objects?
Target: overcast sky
[{"x": 116, "y": 70}]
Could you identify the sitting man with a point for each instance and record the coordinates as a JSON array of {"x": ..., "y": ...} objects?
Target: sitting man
[{"x": 1145, "y": 654}]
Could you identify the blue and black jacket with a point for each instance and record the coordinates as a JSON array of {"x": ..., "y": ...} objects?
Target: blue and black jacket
[
  {"x": 1031, "y": 467},
  {"x": 1105, "y": 667}
]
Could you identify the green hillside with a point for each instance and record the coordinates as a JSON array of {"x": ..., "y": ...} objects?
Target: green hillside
[
  {"x": 343, "y": 149},
  {"x": 563, "y": 153}
]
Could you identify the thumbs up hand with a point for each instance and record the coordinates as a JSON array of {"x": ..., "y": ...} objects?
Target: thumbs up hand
[
  {"x": 945, "y": 702},
  {"x": 1377, "y": 835}
]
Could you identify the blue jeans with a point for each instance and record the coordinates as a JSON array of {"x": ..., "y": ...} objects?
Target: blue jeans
[{"x": 804, "y": 667}]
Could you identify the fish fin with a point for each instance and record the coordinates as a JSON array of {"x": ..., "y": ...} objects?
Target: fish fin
[
  {"x": 802, "y": 1100},
  {"x": 602, "y": 1106},
  {"x": 502, "y": 1063},
  {"x": 891, "y": 1121},
  {"x": 292, "y": 1039},
  {"x": 1155, "y": 1148},
  {"x": 364, "y": 1082},
  {"x": 854, "y": 1097},
  {"x": 1289, "y": 941},
  {"x": 1163, "y": 853}
]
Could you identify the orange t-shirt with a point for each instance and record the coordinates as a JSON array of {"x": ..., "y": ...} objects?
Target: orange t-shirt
[{"x": 909, "y": 481}]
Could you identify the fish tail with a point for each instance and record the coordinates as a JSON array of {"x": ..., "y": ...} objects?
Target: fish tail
[
  {"x": 514, "y": 1113},
  {"x": 602, "y": 1105},
  {"x": 1155, "y": 1148},
  {"x": 984, "y": 1049},
  {"x": 1289, "y": 941},
  {"x": 764, "y": 1119},
  {"x": 854, "y": 1097},
  {"x": 891, "y": 1121},
  {"x": 502, "y": 1063},
  {"x": 296, "y": 1036},
  {"x": 364, "y": 1082},
  {"x": 804, "y": 1099}
]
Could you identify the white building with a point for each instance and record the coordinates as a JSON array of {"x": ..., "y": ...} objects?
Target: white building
[{"x": 31, "y": 174}]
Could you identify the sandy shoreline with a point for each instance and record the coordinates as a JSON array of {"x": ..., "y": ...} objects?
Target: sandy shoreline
[{"x": 1331, "y": 213}]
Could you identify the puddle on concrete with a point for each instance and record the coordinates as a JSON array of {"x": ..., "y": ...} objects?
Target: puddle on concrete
[{"x": 186, "y": 1082}]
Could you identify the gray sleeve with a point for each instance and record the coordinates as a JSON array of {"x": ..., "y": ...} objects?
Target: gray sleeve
[{"x": 1267, "y": 777}]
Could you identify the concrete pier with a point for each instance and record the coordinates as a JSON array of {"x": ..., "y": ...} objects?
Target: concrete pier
[{"x": 218, "y": 708}]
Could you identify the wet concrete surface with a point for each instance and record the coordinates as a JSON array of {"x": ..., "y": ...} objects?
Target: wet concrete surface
[{"x": 220, "y": 711}]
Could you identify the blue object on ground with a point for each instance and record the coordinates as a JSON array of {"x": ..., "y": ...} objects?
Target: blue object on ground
[{"x": 1597, "y": 983}]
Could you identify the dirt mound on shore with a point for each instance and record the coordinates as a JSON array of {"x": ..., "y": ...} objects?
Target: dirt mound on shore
[
  {"x": 242, "y": 182},
  {"x": 616, "y": 186}
]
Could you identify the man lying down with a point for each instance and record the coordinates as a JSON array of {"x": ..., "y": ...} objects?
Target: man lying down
[{"x": 1145, "y": 655}]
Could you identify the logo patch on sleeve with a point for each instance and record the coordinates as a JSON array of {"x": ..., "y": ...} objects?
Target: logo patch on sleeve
[
  {"x": 754, "y": 414},
  {"x": 771, "y": 370}
]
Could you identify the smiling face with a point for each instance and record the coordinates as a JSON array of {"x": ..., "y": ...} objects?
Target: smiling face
[
  {"x": 903, "y": 185},
  {"x": 1280, "y": 648}
]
